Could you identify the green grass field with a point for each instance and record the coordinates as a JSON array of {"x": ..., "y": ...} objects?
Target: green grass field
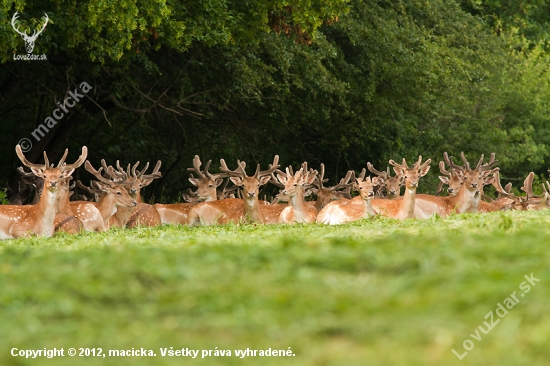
[{"x": 375, "y": 292}]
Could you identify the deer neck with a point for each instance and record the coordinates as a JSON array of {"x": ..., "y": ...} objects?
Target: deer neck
[
  {"x": 63, "y": 204},
  {"x": 474, "y": 207},
  {"x": 406, "y": 210},
  {"x": 251, "y": 210},
  {"x": 318, "y": 205},
  {"x": 367, "y": 208},
  {"x": 106, "y": 206},
  {"x": 463, "y": 200},
  {"x": 123, "y": 214},
  {"x": 46, "y": 209},
  {"x": 298, "y": 204},
  {"x": 138, "y": 197}
]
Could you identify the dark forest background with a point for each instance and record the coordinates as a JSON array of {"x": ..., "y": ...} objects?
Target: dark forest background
[{"x": 339, "y": 82}]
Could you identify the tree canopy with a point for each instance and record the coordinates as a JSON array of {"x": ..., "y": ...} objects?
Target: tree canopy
[{"x": 339, "y": 82}]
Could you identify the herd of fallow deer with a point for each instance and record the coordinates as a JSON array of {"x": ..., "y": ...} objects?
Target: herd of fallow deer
[{"x": 117, "y": 201}]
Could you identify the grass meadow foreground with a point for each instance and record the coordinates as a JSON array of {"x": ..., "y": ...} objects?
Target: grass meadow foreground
[{"x": 375, "y": 292}]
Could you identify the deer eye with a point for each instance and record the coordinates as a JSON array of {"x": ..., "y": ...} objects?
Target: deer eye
[
  {"x": 210, "y": 186},
  {"x": 295, "y": 185}
]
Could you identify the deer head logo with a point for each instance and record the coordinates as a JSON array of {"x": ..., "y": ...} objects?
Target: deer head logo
[{"x": 29, "y": 40}]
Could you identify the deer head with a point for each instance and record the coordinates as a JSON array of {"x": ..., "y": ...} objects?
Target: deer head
[
  {"x": 385, "y": 180},
  {"x": 413, "y": 174},
  {"x": 327, "y": 194},
  {"x": 250, "y": 185},
  {"x": 29, "y": 40},
  {"x": 365, "y": 186},
  {"x": 114, "y": 189},
  {"x": 49, "y": 174},
  {"x": 207, "y": 182},
  {"x": 296, "y": 184}
]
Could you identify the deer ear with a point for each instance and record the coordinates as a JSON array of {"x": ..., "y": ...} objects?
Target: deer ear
[
  {"x": 236, "y": 181},
  {"x": 444, "y": 179},
  {"x": 282, "y": 178},
  {"x": 38, "y": 172},
  {"x": 194, "y": 181},
  {"x": 399, "y": 171},
  {"x": 67, "y": 173},
  {"x": 308, "y": 179},
  {"x": 422, "y": 172},
  {"x": 264, "y": 179},
  {"x": 102, "y": 187},
  {"x": 489, "y": 180},
  {"x": 219, "y": 182}
]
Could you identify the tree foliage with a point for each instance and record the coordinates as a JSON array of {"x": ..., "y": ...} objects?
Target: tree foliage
[{"x": 339, "y": 82}]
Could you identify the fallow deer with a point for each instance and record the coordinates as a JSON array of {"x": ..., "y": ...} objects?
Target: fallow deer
[
  {"x": 449, "y": 177},
  {"x": 96, "y": 215},
  {"x": 65, "y": 220},
  {"x": 342, "y": 211},
  {"x": 529, "y": 202},
  {"x": 325, "y": 195},
  {"x": 294, "y": 188},
  {"x": 403, "y": 207},
  {"x": 178, "y": 213},
  {"x": 233, "y": 209},
  {"x": 20, "y": 221},
  {"x": 472, "y": 186},
  {"x": 392, "y": 185},
  {"x": 143, "y": 214}
]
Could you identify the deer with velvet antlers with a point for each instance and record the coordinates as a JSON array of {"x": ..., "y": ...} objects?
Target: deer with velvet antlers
[
  {"x": 360, "y": 207},
  {"x": 178, "y": 213},
  {"x": 294, "y": 187},
  {"x": 403, "y": 208},
  {"x": 469, "y": 194},
  {"x": 233, "y": 209},
  {"x": 21, "y": 221},
  {"x": 112, "y": 194}
]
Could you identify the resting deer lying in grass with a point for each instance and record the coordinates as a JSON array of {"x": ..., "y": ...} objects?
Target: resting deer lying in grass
[
  {"x": 342, "y": 211},
  {"x": 178, "y": 213},
  {"x": 65, "y": 220},
  {"x": 95, "y": 216},
  {"x": 403, "y": 208},
  {"x": 143, "y": 214},
  {"x": 325, "y": 195},
  {"x": 387, "y": 184},
  {"x": 449, "y": 178},
  {"x": 294, "y": 188},
  {"x": 21, "y": 221},
  {"x": 529, "y": 202},
  {"x": 233, "y": 209},
  {"x": 472, "y": 186}
]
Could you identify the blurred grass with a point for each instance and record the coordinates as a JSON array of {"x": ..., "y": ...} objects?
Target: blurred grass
[{"x": 375, "y": 292}]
